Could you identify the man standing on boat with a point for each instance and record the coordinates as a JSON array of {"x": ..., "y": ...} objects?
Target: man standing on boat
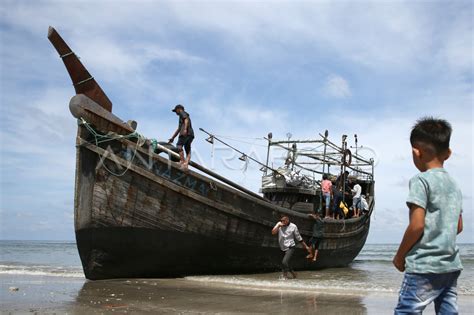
[
  {"x": 186, "y": 135},
  {"x": 356, "y": 198},
  {"x": 341, "y": 188},
  {"x": 287, "y": 233}
]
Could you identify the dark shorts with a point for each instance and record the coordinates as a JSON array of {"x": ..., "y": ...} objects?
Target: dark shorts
[
  {"x": 315, "y": 242},
  {"x": 185, "y": 142}
]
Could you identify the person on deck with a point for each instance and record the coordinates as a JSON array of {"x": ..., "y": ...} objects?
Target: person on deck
[
  {"x": 326, "y": 189},
  {"x": 342, "y": 181},
  {"x": 287, "y": 233},
  {"x": 186, "y": 135},
  {"x": 356, "y": 193},
  {"x": 341, "y": 188},
  {"x": 364, "y": 205}
]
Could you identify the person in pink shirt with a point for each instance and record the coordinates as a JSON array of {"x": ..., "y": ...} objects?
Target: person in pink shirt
[{"x": 326, "y": 188}]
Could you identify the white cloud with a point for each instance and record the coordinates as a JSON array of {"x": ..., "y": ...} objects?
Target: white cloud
[
  {"x": 118, "y": 58},
  {"x": 369, "y": 34},
  {"x": 337, "y": 87}
]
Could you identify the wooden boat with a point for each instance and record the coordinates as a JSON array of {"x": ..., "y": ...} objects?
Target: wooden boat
[{"x": 138, "y": 215}]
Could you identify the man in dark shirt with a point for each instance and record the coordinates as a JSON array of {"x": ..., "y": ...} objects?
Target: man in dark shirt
[
  {"x": 318, "y": 234},
  {"x": 186, "y": 135},
  {"x": 342, "y": 181}
]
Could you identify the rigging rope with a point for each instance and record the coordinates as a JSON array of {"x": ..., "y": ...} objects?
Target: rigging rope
[
  {"x": 99, "y": 138},
  {"x": 235, "y": 139}
]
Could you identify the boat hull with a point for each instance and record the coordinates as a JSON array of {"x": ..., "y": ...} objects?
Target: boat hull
[{"x": 151, "y": 253}]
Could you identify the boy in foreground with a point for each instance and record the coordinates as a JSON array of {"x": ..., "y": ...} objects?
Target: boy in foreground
[{"x": 428, "y": 253}]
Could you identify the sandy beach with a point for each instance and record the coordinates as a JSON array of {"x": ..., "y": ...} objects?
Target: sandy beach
[
  {"x": 56, "y": 295},
  {"x": 50, "y": 280}
]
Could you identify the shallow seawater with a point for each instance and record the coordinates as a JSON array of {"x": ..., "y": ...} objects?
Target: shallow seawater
[{"x": 50, "y": 279}]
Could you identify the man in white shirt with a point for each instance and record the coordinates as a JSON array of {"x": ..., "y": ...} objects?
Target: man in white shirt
[
  {"x": 287, "y": 233},
  {"x": 356, "y": 192}
]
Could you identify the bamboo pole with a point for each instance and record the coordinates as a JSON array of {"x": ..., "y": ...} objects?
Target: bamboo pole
[{"x": 211, "y": 173}]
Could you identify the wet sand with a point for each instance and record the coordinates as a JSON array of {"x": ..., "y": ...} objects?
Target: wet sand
[{"x": 56, "y": 295}]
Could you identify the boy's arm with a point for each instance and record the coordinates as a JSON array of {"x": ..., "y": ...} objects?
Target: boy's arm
[
  {"x": 460, "y": 224},
  {"x": 412, "y": 234}
]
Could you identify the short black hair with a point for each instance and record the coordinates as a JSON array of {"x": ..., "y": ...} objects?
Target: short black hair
[
  {"x": 176, "y": 108},
  {"x": 431, "y": 133},
  {"x": 325, "y": 176}
]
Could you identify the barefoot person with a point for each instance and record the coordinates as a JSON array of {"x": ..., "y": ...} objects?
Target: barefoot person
[
  {"x": 287, "y": 233},
  {"x": 428, "y": 253},
  {"x": 356, "y": 194},
  {"x": 186, "y": 135},
  {"x": 317, "y": 237},
  {"x": 326, "y": 189}
]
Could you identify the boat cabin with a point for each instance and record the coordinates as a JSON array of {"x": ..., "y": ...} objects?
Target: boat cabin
[{"x": 297, "y": 184}]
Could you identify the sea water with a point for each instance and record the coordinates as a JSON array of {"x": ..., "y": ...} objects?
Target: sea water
[{"x": 371, "y": 272}]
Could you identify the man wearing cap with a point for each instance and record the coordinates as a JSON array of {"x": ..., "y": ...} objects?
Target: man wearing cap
[{"x": 186, "y": 135}]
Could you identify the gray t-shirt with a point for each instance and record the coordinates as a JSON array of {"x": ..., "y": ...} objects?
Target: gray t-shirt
[
  {"x": 287, "y": 235},
  {"x": 436, "y": 251}
]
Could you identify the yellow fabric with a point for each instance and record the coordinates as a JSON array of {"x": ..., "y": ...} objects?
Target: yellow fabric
[{"x": 344, "y": 208}]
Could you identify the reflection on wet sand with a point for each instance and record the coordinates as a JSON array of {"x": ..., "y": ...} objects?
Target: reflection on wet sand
[
  {"x": 341, "y": 281},
  {"x": 180, "y": 295}
]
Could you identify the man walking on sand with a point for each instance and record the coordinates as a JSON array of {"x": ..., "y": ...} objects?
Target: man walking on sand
[
  {"x": 186, "y": 135},
  {"x": 287, "y": 233}
]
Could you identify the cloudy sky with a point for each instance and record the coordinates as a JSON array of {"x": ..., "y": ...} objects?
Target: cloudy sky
[{"x": 242, "y": 69}]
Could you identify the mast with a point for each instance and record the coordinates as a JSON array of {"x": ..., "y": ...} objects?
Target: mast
[
  {"x": 343, "y": 167},
  {"x": 326, "y": 133},
  {"x": 293, "y": 158},
  {"x": 270, "y": 136}
]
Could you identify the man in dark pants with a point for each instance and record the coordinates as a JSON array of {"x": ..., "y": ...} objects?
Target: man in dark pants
[
  {"x": 186, "y": 135},
  {"x": 287, "y": 233},
  {"x": 341, "y": 188}
]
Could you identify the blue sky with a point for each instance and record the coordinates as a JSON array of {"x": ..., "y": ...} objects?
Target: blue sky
[{"x": 242, "y": 69}]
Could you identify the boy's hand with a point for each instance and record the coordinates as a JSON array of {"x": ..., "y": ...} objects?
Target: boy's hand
[{"x": 399, "y": 263}]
